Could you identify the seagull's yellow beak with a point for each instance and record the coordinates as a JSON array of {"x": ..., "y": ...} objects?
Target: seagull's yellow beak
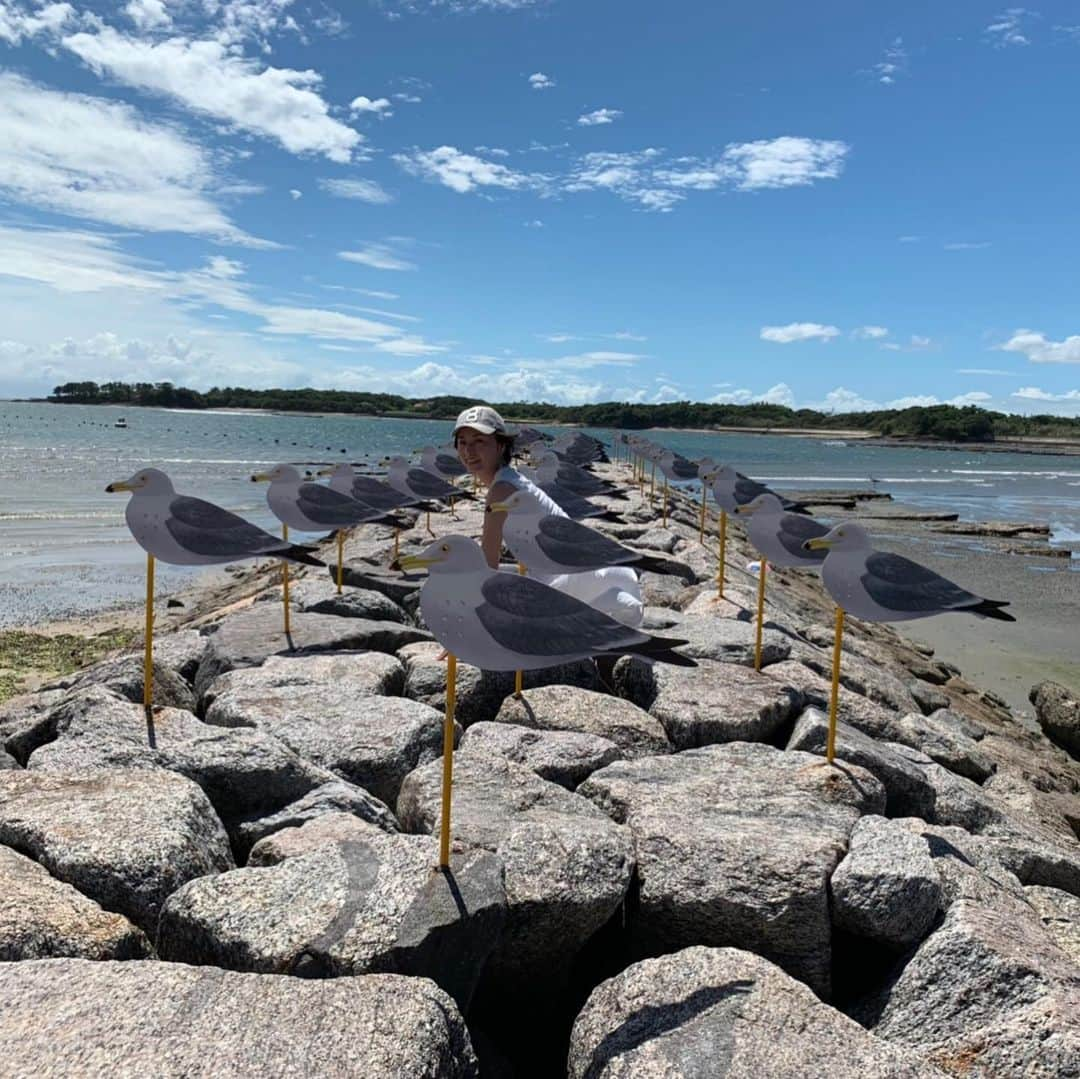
[
  {"x": 119, "y": 485},
  {"x": 743, "y": 511},
  {"x": 261, "y": 477},
  {"x": 410, "y": 562},
  {"x": 325, "y": 472},
  {"x": 819, "y": 544}
]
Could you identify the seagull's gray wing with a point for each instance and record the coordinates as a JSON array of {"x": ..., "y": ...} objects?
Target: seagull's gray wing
[
  {"x": 568, "y": 543},
  {"x": 449, "y": 465},
  {"x": 205, "y": 529},
  {"x": 898, "y": 584},
  {"x": 794, "y": 531},
  {"x": 684, "y": 469},
  {"x": 331, "y": 508},
  {"x": 425, "y": 485},
  {"x": 577, "y": 506},
  {"x": 532, "y": 619},
  {"x": 746, "y": 489},
  {"x": 377, "y": 494}
]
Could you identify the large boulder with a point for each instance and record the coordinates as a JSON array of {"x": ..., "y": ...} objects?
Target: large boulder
[
  {"x": 126, "y": 839},
  {"x": 1058, "y": 712},
  {"x": 249, "y": 638},
  {"x": 41, "y": 918},
  {"x": 567, "y": 865},
  {"x": 320, "y": 596},
  {"x": 171, "y": 1021},
  {"x": 563, "y": 757},
  {"x": 728, "y": 640},
  {"x": 713, "y": 702},
  {"x": 988, "y": 993},
  {"x": 887, "y": 888},
  {"x": 584, "y": 711},
  {"x": 25, "y": 722},
  {"x": 1060, "y": 915},
  {"x": 373, "y": 741},
  {"x": 721, "y": 1011},
  {"x": 909, "y": 792},
  {"x": 480, "y": 694},
  {"x": 942, "y": 741},
  {"x": 337, "y": 897},
  {"x": 735, "y": 844},
  {"x": 7, "y": 761},
  {"x": 867, "y": 678},
  {"x": 124, "y": 676}
]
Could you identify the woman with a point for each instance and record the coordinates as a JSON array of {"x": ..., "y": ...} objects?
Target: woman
[{"x": 485, "y": 447}]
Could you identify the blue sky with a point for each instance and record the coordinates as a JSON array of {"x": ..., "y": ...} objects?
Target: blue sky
[{"x": 844, "y": 205}]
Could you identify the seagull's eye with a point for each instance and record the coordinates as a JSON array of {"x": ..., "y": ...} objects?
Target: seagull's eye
[{"x": 445, "y": 547}]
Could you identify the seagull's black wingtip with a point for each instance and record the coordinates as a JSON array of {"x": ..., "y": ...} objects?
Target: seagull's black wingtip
[{"x": 991, "y": 608}]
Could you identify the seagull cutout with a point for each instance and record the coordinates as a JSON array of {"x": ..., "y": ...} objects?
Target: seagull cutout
[
  {"x": 418, "y": 482},
  {"x": 439, "y": 463},
  {"x": 367, "y": 489},
  {"x": 549, "y": 469},
  {"x": 310, "y": 507},
  {"x": 504, "y": 622},
  {"x": 780, "y": 536},
  {"x": 732, "y": 489},
  {"x": 186, "y": 531},
  {"x": 881, "y": 587},
  {"x": 676, "y": 468},
  {"x": 547, "y": 544}
]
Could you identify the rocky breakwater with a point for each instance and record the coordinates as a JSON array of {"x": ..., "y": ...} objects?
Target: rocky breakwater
[{"x": 654, "y": 872}]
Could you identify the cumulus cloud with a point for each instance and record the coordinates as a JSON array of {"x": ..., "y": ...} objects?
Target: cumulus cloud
[
  {"x": 378, "y": 257},
  {"x": 893, "y": 65},
  {"x": 599, "y": 116},
  {"x": 210, "y": 78},
  {"x": 785, "y": 162},
  {"x": 380, "y": 106},
  {"x": 1039, "y": 349},
  {"x": 148, "y": 14},
  {"x": 798, "y": 331},
  {"x": 780, "y": 394},
  {"x": 100, "y": 160},
  {"x": 1033, "y": 393},
  {"x": 17, "y": 23},
  {"x": 460, "y": 171},
  {"x": 869, "y": 333},
  {"x": 294, "y": 194},
  {"x": 363, "y": 190},
  {"x": 539, "y": 81}
]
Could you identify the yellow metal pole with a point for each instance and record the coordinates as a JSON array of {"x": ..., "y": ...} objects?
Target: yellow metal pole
[
  {"x": 148, "y": 657},
  {"x": 664, "y": 511},
  {"x": 285, "y": 580},
  {"x": 652, "y": 483},
  {"x": 760, "y": 613},
  {"x": 448, "y": 761},
  {"x": 721, "y": 556},
  {"x": 397, "y": 535},
  {"x": 427, "y": 524},
  {"x": 834, "y": 700},
  {"x": 701, "y": 526},
  {"x": 340, "y": 557}
]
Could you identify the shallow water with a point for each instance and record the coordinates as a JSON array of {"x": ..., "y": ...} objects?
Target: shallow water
[{"x": 64, "y": 548}]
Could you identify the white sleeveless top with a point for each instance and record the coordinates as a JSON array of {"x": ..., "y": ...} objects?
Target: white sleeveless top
[{"x": 512, "y": 476}]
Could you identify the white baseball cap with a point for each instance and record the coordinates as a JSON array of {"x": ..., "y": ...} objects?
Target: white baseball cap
[{"x": 481, "y": 418}]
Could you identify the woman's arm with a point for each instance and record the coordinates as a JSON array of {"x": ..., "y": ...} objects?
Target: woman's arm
[{"x": 491, "y": 540}]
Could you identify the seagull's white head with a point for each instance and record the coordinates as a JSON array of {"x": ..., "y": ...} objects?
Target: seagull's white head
[
  {"x": 521, "y": 502},
  {"x": 764, "y": 503},
  {"x": 278, "y": 474},
  {"x": 147, "y": 481},
  {"x": 844, "y": 537},
  {"x": 448, "y": 554}
]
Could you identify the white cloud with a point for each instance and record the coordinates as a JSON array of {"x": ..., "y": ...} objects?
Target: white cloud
[
  {"x": 1033, "y": 393},
  {"x": 460, "y": 171},
  {"x": 799, "y": 331},
  {"x": 908, "y": 239},
  {"x": 364, "y": 190},
  {"x": 539, "y": 81},
  {"x": 294, "y": 194},
  {"x": 599, "y": 116},
  {"x": 99, "y": 160},
  {"x": 1039, "y": 349},
  {"x": 408, "y": 99},
  {"x": 625, "y": 335},
  {"x": 780, "y": 394},
  {"x": 380, "y": 106},
  {"x": 785, "y": 162},
  {"x": 209, "y": 78},
  {"x": 894, "y": 65},
  {"x": 966, "y": 246},
  {"x": 378, "y": 257},
  {"x": 536, "y": 223},
  {"x": 409, "y": 346},
  {"x": 869, "y": 333},
  {"x": 559, "y": 338},
  {"x": 148, "y": 14},
  {"x": 17, "y": 23},
  {"x": 916, "y": 343},
  {"x": 986, "y": 371},
  {"x": 1008, "y": 28}
]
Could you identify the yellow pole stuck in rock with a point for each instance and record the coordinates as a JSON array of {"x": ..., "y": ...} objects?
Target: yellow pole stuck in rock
[
  {"x": 285, "y": 581},
  {"x": 397, "y": 536},
  {"x": 340, "y": 557},
  {"x": 652, "y": 483},
  {"x": 721, "y": 556},
  {"x": 701, "y": 525},
  {"x": 448, "y": 761},
  {"x": 519, "y": 675},
  {"x": 834, "y": 700},
  {"x": 427, "y": 524},
  {"x": 663, "y": 513},
  {"x": 760, "y": 613},
  {"x": 148, "y": 657}
]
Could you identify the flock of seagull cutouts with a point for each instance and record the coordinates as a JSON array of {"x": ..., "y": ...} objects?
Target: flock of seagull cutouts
[{"x": 500, "y": 621}]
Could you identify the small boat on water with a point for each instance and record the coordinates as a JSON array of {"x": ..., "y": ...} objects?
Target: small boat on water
[{"x": 120, "y": 422}]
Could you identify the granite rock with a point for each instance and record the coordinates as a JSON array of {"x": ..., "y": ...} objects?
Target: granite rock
[{"x": 1058, "y": 712}]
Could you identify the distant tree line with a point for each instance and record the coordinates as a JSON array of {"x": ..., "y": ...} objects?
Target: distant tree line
[{"x": 933, "y": 422}]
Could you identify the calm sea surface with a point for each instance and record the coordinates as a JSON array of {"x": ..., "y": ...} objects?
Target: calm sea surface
[{"x": 64, "y": 548}]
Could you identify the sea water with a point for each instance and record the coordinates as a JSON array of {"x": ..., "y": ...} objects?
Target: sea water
[{"x": 65, "y": 550}]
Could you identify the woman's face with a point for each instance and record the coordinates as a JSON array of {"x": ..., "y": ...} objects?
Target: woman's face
[{"x": 479, "y": 453}]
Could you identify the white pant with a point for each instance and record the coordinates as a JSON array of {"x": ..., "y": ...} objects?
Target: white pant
[{"x": 614, "y": 590}]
